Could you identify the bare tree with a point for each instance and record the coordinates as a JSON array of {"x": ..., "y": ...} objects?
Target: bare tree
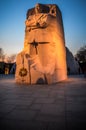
[
  {"x": 2, "y": 55},
  {"x": 11, "y": 58}
]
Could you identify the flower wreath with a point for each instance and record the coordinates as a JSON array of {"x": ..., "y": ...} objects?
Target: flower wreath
[{"x": 23, "y": 72}]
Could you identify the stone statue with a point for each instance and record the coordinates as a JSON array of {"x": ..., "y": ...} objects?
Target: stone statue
[{"x": 43, "y": 59}]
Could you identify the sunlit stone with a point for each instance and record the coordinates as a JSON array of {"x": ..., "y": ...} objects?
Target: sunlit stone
[{"x": 44, "y": 54}]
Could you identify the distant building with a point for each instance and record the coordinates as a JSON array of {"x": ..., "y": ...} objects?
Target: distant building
[{"x": 5, "y": 68}]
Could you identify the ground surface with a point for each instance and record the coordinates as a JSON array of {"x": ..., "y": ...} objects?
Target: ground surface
[{"x": 61, "y": 106}]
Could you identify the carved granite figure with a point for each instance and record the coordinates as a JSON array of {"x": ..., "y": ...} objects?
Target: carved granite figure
[{"x": 43, "y": 59}]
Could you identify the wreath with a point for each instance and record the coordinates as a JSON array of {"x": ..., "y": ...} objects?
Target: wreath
[{"x": 23, "y": 72}]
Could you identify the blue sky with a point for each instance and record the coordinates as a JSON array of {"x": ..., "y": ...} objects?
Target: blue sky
[{"x": 13, "y": 15}]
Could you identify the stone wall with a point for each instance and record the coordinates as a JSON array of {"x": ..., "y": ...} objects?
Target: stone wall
[{"x": 72, "y": 65}]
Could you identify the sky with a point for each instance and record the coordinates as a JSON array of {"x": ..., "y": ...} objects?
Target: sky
[{"x": 12, "y": 23}]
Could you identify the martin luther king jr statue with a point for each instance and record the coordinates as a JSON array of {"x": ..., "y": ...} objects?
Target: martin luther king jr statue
[{"x": 43, "y": 58}]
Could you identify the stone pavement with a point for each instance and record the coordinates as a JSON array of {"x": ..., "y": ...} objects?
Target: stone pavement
[{"x": 60, "y": 106}]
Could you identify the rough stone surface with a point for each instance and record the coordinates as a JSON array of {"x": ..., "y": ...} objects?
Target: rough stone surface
[
  {"x": 72, "y": 65},
  {"x": 44, "y": 55}
]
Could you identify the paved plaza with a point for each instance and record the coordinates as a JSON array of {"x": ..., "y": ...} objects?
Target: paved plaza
[{"x": 60, "y": 106}]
